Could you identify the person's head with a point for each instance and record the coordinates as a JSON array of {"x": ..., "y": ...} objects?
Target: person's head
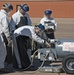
[
  {"x": 7, "y": 7},
  {"x": 39, "y": 28},
  {"x": 24, "y": 8},
  {"x": 48, "y": 13}
]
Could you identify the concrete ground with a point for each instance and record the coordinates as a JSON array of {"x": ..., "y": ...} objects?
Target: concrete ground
[
  {"x": 65, "y": 29},
  {"x": 38, "y": 73}
]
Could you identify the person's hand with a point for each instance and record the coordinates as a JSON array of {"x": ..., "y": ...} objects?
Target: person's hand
[
  {"x": 49, "y": 31},
  {"x": 9, "y": 41},
  {"x": 47, "y": 44}
]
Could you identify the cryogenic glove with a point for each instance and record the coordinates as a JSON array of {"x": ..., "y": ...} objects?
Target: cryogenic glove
[
  {"x": 47, "y": 44},
  {"x": 9, "y": 41}
]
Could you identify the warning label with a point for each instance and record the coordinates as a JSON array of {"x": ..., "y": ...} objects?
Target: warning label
[{"x": 68, "y": 46}]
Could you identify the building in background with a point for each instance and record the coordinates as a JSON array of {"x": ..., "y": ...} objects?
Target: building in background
[{"x": 60, "y": 8}]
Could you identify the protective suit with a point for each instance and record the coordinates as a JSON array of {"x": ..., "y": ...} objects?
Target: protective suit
[
  {"x": 49, "y": 23},
  {"x": 4, "y": 28},
  {"x": 44, "y": 21},
  {"x": 21, "y": 36},
  {"x": 19, "y": 20}
]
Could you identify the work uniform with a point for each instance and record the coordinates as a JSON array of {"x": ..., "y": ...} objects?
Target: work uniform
[
  {"x": 44, "y": 21},
  {"x": 43, "y": 36},
  {"x": 19, "y": 20},
  {"x": 4, "y": 29},
  {"x": 21, "y": 36}
]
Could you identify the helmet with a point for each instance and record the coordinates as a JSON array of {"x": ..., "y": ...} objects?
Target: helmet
[
  {"x": 24, "y": 7},
  {"x": 41, "y": 26},
  {"x": 47, "y": 12},
  {"x": 7, "y": 5}
]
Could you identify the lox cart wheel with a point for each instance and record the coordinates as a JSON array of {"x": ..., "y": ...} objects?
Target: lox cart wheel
[{"x": 68, "y": 64}]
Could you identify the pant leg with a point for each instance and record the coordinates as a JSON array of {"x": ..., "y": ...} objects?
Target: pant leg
[
  {"x": 8, "y": 60},
  {"x": 9, "y": 57},
  {"x": 2, "y": 52}
]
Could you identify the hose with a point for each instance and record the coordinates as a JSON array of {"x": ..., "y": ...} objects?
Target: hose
[
  {"x": 47, "y": 53},
  {"x": 32, "y": 63}
]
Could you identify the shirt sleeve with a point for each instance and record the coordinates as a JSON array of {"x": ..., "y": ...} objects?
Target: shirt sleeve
[
  {"x": 55, "y": 23},
  {"x": 12, "y": 23},
  {"x": 5, "y": 26},
  {"x": 37, "y": 38},
  {"x": 42, "y": 21}
]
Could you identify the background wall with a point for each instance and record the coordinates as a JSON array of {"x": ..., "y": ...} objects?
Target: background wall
[{"x": 61, "y": 9}]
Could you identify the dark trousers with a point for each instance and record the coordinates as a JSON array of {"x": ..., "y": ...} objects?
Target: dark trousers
[
  {"x": 9, "y": 57},
  {"x": 8, "y": 49}
]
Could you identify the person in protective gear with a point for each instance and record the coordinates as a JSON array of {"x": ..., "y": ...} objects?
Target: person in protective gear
[
  {"x": 42, "y": 35},
  {"x": 20, "y": 46},
  {"x": 20, "y": 18},
  {"x": 49, "y": 23},
  {"x": 5, "y": 38}
]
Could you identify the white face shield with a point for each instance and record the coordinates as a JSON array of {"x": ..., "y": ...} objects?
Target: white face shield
[{"x": 8, "y": 7}]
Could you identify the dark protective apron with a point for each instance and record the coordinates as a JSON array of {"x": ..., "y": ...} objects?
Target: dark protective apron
[
  {"x": 51, "y": 36},
  {"x": 22, "y": 49},
  {"x": 23, "y": 44},
  {"x": 23, "y": 22}
]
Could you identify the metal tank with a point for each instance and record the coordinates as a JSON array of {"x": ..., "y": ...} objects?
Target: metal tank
[{"x": 63, "y": 50}]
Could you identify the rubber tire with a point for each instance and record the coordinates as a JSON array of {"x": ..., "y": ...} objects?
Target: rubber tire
[{"x": 67, "y": 58}]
